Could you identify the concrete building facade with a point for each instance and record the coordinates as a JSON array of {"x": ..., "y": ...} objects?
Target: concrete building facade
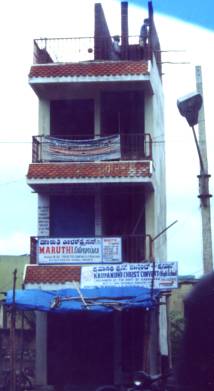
[{"x": 99, "y": 173}]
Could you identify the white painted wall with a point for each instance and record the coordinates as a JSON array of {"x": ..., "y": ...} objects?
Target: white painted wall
[
  {"x": 43, "y": 215},
  {"x": 156, "y": 203},
  {"x": 41, "y": 318},
  {"x": 44, "y": 117}
]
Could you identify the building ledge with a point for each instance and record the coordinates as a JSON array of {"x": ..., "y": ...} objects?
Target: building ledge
[
  {"x": 90, "y": 69},
  {"x": 37, "y": 274},
  {"x": 43, "y": 78},
  {"x": 59, "y": 174}
]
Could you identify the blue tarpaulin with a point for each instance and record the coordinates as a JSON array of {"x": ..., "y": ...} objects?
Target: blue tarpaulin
[{"x": 96, "y": 299}]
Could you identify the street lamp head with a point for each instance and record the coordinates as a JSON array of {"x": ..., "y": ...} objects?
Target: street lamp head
[{"x": 189, "y": 106}]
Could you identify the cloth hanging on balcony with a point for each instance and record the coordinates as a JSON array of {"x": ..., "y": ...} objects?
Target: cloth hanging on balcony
[
  {"x": 99, "y": 148},
  {"x": 96, "y": 299}
]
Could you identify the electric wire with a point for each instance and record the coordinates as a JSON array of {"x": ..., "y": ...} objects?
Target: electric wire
[{"x": 155, "y": 140}]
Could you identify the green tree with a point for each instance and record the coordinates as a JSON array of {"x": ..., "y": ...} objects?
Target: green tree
[{"x": 176, "y": 332}]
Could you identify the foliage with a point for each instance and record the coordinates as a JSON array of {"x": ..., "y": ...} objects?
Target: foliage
[{"x": 176, "y": 332}]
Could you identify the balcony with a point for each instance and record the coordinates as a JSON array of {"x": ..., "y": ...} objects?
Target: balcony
[
  {"x": 134, "y": 248},
  {"x": 95, "y": 59},
  {"x": 117, "y": 147}
]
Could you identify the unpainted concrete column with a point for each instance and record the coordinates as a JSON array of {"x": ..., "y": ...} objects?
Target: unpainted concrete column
[
  {"x": 118, "y": 375},
  {"x": 97, "y": 115},
  {"x": 98, "y": 214},
  {"x": 124, "y": 28},
  {"x": 41, "y": 348}
]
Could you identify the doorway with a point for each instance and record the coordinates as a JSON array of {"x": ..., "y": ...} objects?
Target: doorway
[
  {"x": 80, "y": 350},
  {"x": 72, "y": 118}
]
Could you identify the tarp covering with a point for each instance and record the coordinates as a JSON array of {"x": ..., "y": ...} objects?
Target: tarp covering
[{"x": 71, "y": 300}]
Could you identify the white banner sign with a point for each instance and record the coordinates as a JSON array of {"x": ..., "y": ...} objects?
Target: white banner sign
[
  {"x": 78, "y": 250},
  {"x": 165, "y": 275},
  {"x": 100, "y": 148}
]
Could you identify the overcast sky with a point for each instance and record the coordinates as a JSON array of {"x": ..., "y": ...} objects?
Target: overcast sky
[{"x": 184, "y": 46}]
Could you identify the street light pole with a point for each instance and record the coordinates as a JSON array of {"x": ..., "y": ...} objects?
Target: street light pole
[
  {"x": 204, "y": 184},
  {"x": 189, "y": 106}
]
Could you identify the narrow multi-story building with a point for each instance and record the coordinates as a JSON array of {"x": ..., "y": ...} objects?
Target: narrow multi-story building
[{"x": 99, "y": 172}]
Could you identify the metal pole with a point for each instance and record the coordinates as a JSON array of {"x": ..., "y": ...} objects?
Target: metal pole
[
  {"x": 12, "y": 338},
  {"x": 204, "y": 183},
  {"x": 199, "y": 151}
]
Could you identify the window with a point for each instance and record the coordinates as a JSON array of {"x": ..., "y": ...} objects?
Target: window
[
  {"x": 72, "y": 118},
  {"x": 72, "y": 215}
]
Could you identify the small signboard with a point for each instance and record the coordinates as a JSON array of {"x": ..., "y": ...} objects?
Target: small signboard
[
  {"x": 160, "y": 275},
  {"x": 111, "y": 250},
  {"x": 78, "y": 250}
]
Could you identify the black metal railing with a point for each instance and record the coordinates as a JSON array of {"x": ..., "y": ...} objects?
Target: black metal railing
[
  {"x": 60, "y": 50},
  {"x": 135, "y": 248},
  {"x": 54, "y": 50},
  {"x": 99, "y": 47},
  {"x": 130, "y": 147}
]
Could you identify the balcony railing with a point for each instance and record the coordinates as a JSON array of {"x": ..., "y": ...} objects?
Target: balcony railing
[
  {"x": 98, "y": 48},
  {"x": 135, "y": 248},
  {"x": 118, "y": 147},
  {"x": 58, "y": 50}
]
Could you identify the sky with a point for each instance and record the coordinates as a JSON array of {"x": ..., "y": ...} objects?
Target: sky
[
  {"x": 187, "y": 37},
  {"x": 191, "y": 11}
]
